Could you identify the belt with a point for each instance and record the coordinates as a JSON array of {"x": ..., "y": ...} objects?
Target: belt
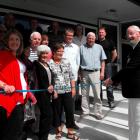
[{"x": 90, "y": 70}]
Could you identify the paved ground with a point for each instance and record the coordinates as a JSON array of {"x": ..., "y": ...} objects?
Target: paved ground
[{"x": 114, "y": 125}]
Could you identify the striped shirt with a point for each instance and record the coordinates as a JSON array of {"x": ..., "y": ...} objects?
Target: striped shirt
[{"x": 33, "y": 55}]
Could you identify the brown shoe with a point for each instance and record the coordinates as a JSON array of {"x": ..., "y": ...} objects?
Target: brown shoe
[
  {"x": 72, "y": 136},
  {"x": 58, "y": 134}
]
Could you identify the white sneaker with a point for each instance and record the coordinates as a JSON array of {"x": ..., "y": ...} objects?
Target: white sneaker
[{"x": 99, "y": 116}]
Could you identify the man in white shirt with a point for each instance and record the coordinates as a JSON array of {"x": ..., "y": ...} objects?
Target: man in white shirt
[{"x": 72, "y": 53}]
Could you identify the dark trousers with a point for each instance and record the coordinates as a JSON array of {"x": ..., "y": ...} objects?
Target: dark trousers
[
  {"x": 63, "y": 101},
  {"x": 110, "y": 95},
  {"x": 44, "y": 103},
  {"x": 11, "y": 127},
  {"x": 109, "y": 89}
]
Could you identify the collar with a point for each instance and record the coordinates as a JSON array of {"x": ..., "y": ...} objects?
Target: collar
[
  {"x": 68, "y": 45},
  {"x": 102, "y": 40},
  {"x": 134, "y": 46}
]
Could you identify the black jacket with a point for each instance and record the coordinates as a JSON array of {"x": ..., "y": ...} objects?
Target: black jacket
[
  {"x": 130, "y": 76},
  {"x": 42, "y": 79}
]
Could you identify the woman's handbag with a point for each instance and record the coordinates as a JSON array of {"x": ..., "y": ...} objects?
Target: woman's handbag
[{"x": 29, "y": 112}]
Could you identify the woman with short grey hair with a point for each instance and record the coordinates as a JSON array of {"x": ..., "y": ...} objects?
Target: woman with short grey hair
[{"x": 44, "y": 78}]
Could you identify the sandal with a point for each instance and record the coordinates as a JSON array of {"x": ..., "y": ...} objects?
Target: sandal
[
  {"x": 72, "y": 136},
  {"x": 58, "y": 134}
]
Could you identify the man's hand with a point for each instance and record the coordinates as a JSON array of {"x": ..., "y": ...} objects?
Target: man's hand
[
  {"x": 101, "y": 76},
  {"x": 108, "y": 82}
]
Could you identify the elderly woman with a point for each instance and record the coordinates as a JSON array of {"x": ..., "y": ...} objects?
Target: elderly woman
[
  {"x": 64, "y": 90},
  {"x": 44, "y": 78}
]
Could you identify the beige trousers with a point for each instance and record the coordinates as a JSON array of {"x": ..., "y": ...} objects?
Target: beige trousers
[
  {"x": 91, "y": 79},
  {"x": 134, "y": 118}
]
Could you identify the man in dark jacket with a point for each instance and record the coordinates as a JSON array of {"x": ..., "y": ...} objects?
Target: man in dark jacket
[{"x": 130, "y": 80}]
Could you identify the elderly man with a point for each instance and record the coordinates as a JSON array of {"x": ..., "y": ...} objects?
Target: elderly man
[
  {"x": 35, "y": 41},
  {"x": 130, "y": 80},
  {"x": 92, "y": 72}
]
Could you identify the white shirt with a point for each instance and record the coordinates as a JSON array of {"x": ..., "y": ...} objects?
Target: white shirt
[
  {"x": 72, "y": 54},
  {"x": 23, "y": 82}
]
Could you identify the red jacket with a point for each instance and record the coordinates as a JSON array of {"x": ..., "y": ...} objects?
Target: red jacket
[{"x": 10, "y": 74}]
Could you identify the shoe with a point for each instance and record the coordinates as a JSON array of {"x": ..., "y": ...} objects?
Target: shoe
[
  {"x": 76, "y": 127},
  {"x": 81, "y": 117},
  {"x": 111, "y": 105},
  {"x": 58, "y": 134},
  {"x": 99, "y": 116},
  {"x": 72, "y": 136}
]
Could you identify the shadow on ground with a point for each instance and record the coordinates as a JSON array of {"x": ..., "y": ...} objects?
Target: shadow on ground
[{"x": 87, "y": 133}]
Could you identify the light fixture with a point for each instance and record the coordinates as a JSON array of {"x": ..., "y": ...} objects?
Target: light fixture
[{"x": 112, "y": 12}]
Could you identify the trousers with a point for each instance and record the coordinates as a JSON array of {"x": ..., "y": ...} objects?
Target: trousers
[
  {"x": 91, "y": 79},
  {"x": 134, "y": 119},
  {"x": 11, "y": 127}
]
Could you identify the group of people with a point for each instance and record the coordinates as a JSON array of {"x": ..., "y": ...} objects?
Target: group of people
[{"x": 55, "y": 71}]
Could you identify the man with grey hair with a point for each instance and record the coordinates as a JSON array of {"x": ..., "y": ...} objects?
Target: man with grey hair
[
  {"x": 92, "y": 68},
  {"x": 35, "y": 41},
  {"x": 130, "y": 80}
]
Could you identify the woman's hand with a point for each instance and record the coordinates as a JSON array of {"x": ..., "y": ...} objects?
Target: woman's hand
[
  {"x": 55, "y": 95},
  {"x": 50, "y": 89},
  {"x": 32, "y": 98},
  {"x": 8, "y": 89},
  {"x": 73, "y": 91}
]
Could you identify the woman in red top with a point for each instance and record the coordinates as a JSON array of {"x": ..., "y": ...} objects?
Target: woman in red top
[{"x": 11, "y": 79}]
